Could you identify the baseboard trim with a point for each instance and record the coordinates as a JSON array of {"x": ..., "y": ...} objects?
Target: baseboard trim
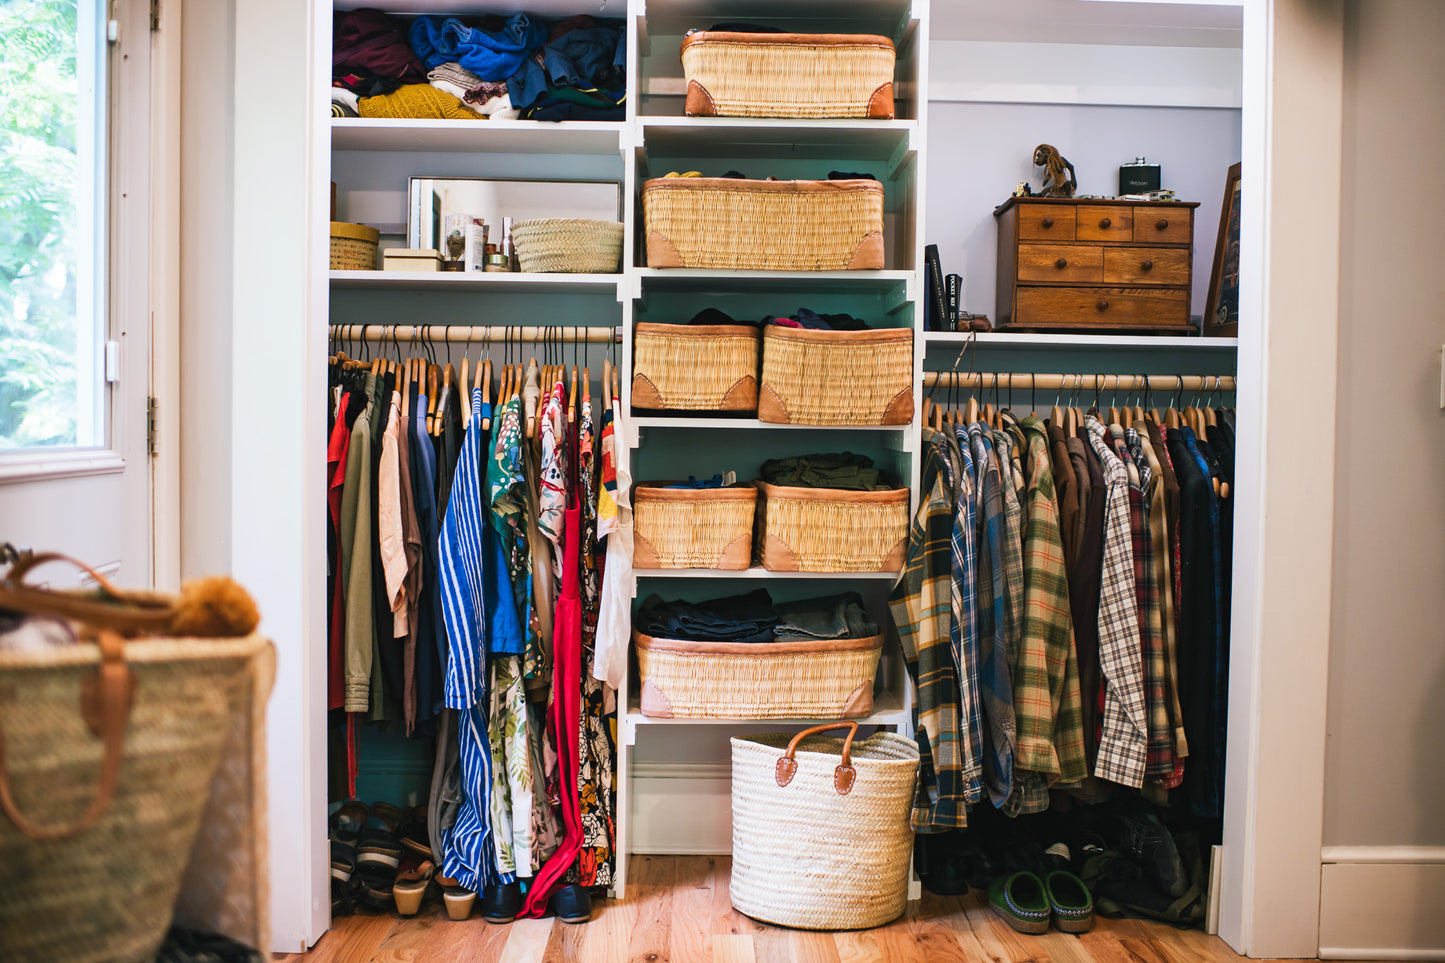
[
  {"x": 1374, "y": 905},
  {"x": 1377, "y": 953},
  {"x": 1383, "y": 854}
]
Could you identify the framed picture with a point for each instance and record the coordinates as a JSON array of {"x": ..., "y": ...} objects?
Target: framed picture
[{"x": 1221, "y": 308}]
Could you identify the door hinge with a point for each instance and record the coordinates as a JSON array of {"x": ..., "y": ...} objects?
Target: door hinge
[
  {"x": 155, "y": 15},
  {"x": 151, "y": 406}
]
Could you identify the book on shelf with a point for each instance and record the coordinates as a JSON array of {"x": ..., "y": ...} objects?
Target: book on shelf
[
  {"x": 935, "y": 316},
  {"x": 952, "y": 284}
]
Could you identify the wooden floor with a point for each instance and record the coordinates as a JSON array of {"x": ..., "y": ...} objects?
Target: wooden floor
[{"x": 678, "y": 910}]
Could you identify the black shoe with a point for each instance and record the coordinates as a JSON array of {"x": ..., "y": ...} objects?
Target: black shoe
[
  {"x": 572, "y": 904},
  {"x": 1144, "y": 837},
  {"x": 501, "y": 903}
]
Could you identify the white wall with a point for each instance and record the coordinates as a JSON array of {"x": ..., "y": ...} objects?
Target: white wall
[
  {"x": 1384, "y": 784},
  {"x": 977, "y": 152}
]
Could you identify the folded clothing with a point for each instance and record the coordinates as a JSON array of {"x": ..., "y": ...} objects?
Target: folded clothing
[
  {"x": 716, "y": 481},
  {"x": 813, "y": 321},
  {"x": 370, "y": 39},
  {"x": 416, "y": 100},
  {"x": 580, "y": 52},
  {"x": 843, "y": 470},
  {"x": 737, "y": 618},
  {"x": 493, "y": 50},
  {"x": 831, "y": 617}
]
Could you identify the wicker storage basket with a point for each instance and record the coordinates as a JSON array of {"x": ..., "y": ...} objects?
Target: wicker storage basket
[
  {"x": 829, "y": 530},
  {"x": 723, "y": 222},
  {"x": 693, "y": 527},
  {"x": 820, "y": 828},
  {"x": 703, "y": 367},
  {"x": 757, "y": 680},
  {"x": 568, "y": 245},
  {"x": 788, "y": 74},
  {"x": 353, "y": 246},
  {"x": 837, "y": 377}
]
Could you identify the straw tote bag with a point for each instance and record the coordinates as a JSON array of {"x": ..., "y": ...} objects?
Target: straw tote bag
[
  {"x": 109, "y": 747},
  {"x": 821, "y": 838}
]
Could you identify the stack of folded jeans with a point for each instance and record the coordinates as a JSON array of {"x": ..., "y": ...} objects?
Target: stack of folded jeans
[
  {"x": 844, "y": 470},
  {"x": 754, "y": 618},
  {"x": 831, "y": 617}
]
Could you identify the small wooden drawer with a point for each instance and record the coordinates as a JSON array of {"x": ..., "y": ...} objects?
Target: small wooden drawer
[
  {"x": 1171, "y": 225},
  {"x": 1059, "y": 307},
  {"x": 1049, "y": 262},
  {"x": 1100, "y": 223},
  {"x": 1145, "y": 265},
  {"x": 1046, "y": 222}
]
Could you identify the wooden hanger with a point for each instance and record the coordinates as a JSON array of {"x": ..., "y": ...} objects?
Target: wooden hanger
[
  {"x": 463, "y": 380},
  {"x": 606, "y": 381},
  {"x": 970, "y": 410},
  {"x": 586, "y": 389},
  {"x": 531, "y": 379},
  {"x": 616, "y": 387},
  {"x": 927, "y": 409},
  {"x": 937, "y": 418}
]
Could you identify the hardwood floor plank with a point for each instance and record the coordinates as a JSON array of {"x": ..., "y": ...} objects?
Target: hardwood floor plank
[
  {"x": 464, "y": 941},
  {"x": 651, "y": 939},
  {"x": 352, "y": 939},
  {"x": 726, "y": 920},
  {"x": 527, "y": 940},
  {"x": 773, "y": 944},
  {"x": 857, "y": 946},
  {"x": 813, "y": 946},
  {"x": 1001, "y": 942},
  {"x": 729, "y": 948},
  {"x": 567, "y": 942},
  {"x": 934, "y": 924},
  {"x": 610, "y": 930},
  {"x": 404, "y": 943},
  {"x": 692, "y": 899},
  {"x": 895, "y": 940}
]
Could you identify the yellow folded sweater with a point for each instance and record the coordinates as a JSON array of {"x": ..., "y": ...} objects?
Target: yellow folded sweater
[{"x": 416, "y": 101}]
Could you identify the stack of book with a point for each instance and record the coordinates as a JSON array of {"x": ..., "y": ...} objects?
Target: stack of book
[{"x": 941, "y": 306}]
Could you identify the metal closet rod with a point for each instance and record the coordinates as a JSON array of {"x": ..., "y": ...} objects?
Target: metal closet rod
[
  {"x": 1082, "y": 382},
  {"x": 470, "y": 334}
]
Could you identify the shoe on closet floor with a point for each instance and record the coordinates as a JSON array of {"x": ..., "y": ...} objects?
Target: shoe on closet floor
[
  {"x": 410, "y": 888},
  {"x": 1069, "y": 902},
  {"x": 501, "y": 902},
  {"x": 459, "y": 901},
  {"x": 572, "y": 903},
  {"x": 1149, "y": 842},
  {"x": 1020, "y": 900}
]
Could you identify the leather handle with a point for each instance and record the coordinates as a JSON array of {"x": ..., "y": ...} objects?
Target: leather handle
[
  {"x": 19, "y": 569},
  {"x": 1061, "y": 263},
  {"x": 105, "y": 702},
  {"x": 843, "y": 775},
  {"x": 127, "y": 614},
  {"x": 1047, "y": 222},
  {"x": 1105, "y": 222}
]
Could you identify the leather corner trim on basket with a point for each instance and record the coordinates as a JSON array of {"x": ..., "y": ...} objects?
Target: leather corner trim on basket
[
  {"x": 860, "y": 701},
  {"x": 771, "y": 408},
  {"x": 662, "y": 253},
  {"x": 893, "y": 561},
  {"x": 643, "y": 554},
  {"x": 880, "y": 105},
  {"x": 786, "y": 769},
  {"x": 742, "y": 396},
  {"x": 843, "y": 778},
  {"x": 645, "y": 393},
  {"x": 654, "y": 703},
  {"x": 898, "y": 412},
  {"x": 699, "y": 101},
  {"x": 868, "y": 255},
  {"x": 738, "y": 553},
  {"x": 777, "y": 556}
]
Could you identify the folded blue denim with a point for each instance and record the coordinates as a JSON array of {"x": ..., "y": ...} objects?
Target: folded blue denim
[
  {"x": 738, "y": 618},
  {"x": 833, "y": 617}
]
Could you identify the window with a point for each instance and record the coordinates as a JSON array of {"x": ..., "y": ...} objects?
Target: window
[{"x": 52, "y": 224}]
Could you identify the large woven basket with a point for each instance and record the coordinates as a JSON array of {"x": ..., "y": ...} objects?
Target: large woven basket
[
  {"x": 829, "y": 530},
  {"x": 568, "y": 245},
  {"x": 353, "y": 246},
  {"x": 837, "y": 377},
  {"x": 788, "y": 74},
  {"x": 820, "y": 828},
  {"x": 693, "y": 527},
  {"x": 107, "y": 893},
  {"x": 723, "y": 222},
  {"x": 757, "y": 680},
  {"x": 695, "y": 367}
]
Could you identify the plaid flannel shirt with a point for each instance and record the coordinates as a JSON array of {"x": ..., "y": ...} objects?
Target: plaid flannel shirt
[
  {"x": 995, "y": 689},
  {"x": 1159, "y": 752},
  {"x": 1046, "y": 682},
  {"x": 964, "y": 598},
  {"x": 1123, "y": 744},
  {"x": 1172, "y": 612},
  {"x": 919, "y": 603}
]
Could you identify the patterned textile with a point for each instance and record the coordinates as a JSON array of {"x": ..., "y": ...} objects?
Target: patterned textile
[
  {"x": 552, "y": 488},
  {"x": 1159, "y": 756},
  {"x": 512, "y": 776},
  {"x": 919, "y": 602},
  {"x": 607, "y": 520},
  {"x": 1123, "y": 744},
  {"x": 1165, "y": 555},
  {"x": 995, "y": 690},
  {"x": 963, "y": 600}
]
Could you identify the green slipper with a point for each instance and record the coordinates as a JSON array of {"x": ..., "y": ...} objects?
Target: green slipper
[
  {"x": 1069, "y": 901},
  {"x": 1021, "y": 901}
]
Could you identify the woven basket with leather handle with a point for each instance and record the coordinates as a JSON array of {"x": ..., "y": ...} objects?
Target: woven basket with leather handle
[
  {"x": 108, "y": 749},
  {"x": 820, "y": 827},
  {"x": 693, "y": 527},
  {"x": 828, "y": 679},
  {"x": 788, "y": 74},
  {"x": 695, "y": 367},
  {"x": 742, "y": 225},
  {"x": 836, "y": 377},
  {"x": 827, "y": 530}
]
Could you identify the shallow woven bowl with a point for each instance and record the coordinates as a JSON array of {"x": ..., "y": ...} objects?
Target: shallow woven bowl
[{"x": 568, "y": 245}]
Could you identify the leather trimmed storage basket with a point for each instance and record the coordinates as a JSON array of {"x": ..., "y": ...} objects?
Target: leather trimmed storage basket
[
  {"x": 693, "y": 527},
  {"x": 829, "y": 679},
  {"x": 821, "y": 839},
  {"x": 836, "y": 377},
  {"x": 743, "y": 225},
  {"x": 788, "y": 74},
  {"x": 704, "y": 367},
  {"x": 830, "y": 530}
]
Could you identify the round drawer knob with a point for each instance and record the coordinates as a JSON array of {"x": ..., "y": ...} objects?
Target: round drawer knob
[
  {"x": 1047, "y": 222},
  {"x": 1061, "y": 263},
  {"x": 1146, "y": 266},
  {"x": 1160, "y": 224},
  {"x": 1102, "y": 305},
  {"x": 1105, "y": 223}
]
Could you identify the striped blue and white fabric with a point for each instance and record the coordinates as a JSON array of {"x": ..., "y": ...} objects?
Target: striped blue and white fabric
[{"x": 468, "y": 851}]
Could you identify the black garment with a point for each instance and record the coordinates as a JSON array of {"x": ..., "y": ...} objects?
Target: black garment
[
  {"x": 843, "y": 470},
  {"x": 1085, "y": 584},
  {"x": 1197, "y": 629},
  {"x": 387, "y": 651},
  {"x": 430, "y": 635},
  {"x": 738, "y": 618}
]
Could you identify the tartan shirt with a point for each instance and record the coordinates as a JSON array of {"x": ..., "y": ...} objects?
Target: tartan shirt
[
  {"x": 1123, "y": 743},
  {"x": 921, "y": 609},
  {"x": 1046, "y": 683},
  {"x": 995, "y": 690},
  {"x": 1159, "y": 752},
  {"x": 964, "y": 598},
  {"x": 1174, "y": 596}
]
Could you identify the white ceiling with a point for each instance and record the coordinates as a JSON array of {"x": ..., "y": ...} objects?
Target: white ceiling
[{"x": 1086, "y": 21}]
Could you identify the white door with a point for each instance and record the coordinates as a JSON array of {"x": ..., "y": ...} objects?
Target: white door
[{"x": 75, "y": 332}]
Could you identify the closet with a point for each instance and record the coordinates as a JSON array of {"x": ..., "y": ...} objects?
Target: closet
[{"x": 960, "y": 141}]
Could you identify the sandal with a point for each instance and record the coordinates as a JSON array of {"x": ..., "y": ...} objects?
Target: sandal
[
  {"x": 411, "y": 887},
  {"x": 459, "y": 900},
  {"x": 414, "y": 832},
  {"x": 344, "y": 881},
  {"x": 379, "y": 849}
]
